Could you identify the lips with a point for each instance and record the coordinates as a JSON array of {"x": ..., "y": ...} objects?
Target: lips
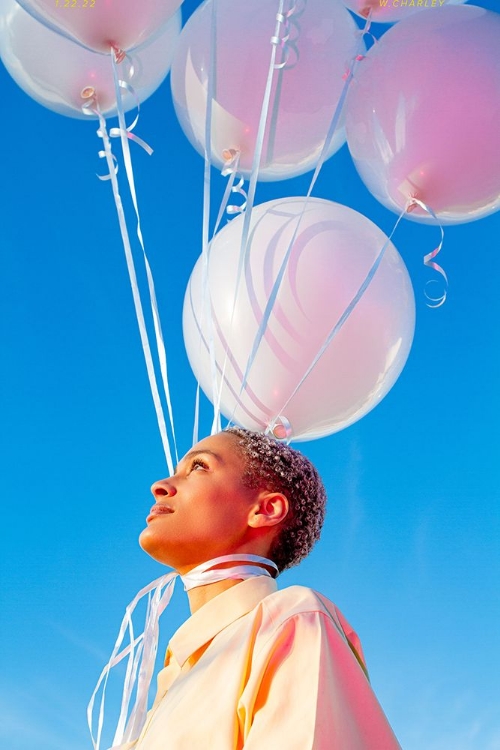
[{"x": 159, "y": 510}]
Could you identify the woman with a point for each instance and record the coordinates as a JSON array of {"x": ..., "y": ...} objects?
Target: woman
[{"x": 254, "y": 667}]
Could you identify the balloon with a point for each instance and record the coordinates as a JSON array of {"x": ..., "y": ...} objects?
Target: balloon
[
  {"x": 332, "y": 254},
  {"x": 387, "y": 11},
  {"x": 57, "y": 80},
  {"x": 422, "y": 115},
  {"x": 101, "y": 24},
  {"x": 323, "y": 42}
]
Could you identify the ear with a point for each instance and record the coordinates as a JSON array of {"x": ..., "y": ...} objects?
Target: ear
[{"x": 270, "y": 509}]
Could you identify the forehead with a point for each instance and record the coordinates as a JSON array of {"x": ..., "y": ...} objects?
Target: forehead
[{"x": 224, "y": 446}]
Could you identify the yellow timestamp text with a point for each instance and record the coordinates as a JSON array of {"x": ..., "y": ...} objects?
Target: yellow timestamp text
[{"x": 75, "y": 3}]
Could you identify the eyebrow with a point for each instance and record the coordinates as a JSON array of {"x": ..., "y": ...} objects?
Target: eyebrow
[{"x": 192, "y": 454}]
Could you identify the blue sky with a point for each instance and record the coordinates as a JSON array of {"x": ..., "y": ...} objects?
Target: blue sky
[{"x": 410, "y": 546}]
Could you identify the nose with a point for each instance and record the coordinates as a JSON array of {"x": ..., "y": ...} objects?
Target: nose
[{"x": 163, "y": 488}]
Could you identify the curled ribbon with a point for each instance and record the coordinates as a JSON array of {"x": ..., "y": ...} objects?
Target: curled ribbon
[
  {"x": 91, "y": 107},
  {"x": 118, "y": 132},
  {"x": 234, "y": 185},
  {"x": 291, "y": 32},
  {"x": 102, "y": 155},
  {"x": 429, "y": 257}
]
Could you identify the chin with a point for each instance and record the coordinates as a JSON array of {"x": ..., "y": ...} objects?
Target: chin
[
  {"x": 149, "y": 542},
  {"x": 155, "y": 547}
]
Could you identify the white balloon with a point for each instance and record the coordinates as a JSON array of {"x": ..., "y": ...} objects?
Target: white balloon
[
  {"x": 332, "y": 254},
  {"x": 322, "y": 41},
  {"x": 55, "y": 71},
  {"x": 100, "y": 24}
]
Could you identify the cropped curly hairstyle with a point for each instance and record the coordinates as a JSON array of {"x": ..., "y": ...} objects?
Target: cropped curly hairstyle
[{"x": 275, "y": 466}]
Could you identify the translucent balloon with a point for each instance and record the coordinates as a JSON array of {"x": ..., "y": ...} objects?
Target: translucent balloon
[
  {"x": 387, "y": 11},
  {"x": 63, "y": 76},
  {"x": 322, "y": 42},
  {"x": 422, "y": 114},
  {"x": 333, "y": 252},
  {"x": 101, "y": 24}
]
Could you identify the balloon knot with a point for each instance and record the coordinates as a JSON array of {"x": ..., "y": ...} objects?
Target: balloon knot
[
  {"x": 412, "y": 205},
  {"x": 88, "y": 92},
  {"x": 281, "y": 429},
  {"x": 228, "y": 154},
  {"x": 118, "y": 53}
]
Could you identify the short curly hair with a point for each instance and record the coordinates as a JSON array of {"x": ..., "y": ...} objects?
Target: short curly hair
[{"x": 272, "y": 465}]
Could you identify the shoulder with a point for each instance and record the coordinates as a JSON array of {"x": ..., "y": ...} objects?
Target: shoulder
[
  {"x": 295, "y": 601},
  {"x": 315, "y": 613}
]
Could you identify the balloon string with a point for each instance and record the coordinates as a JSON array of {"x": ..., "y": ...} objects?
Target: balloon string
[
  {"x": 288, "y": 44},
  {"x": 340, "y": 322},
  {"x": 205, "y": 255},
  {"x": 230, "y": 168},
  {"x": 275, "y": 41},
  {"x": 258, "y": 149},
  {"x": 232, "y": 361},
  {"x": 90, "y": 108},
  {"x": 196, "y": 411},
  {"x": 125, "y": 136},
  {"x": 348, "y": 76},
  {"x": 358, "y": 56},
  {"x": 429, "y": 257}
]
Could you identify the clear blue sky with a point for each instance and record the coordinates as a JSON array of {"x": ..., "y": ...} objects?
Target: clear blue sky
[{"x": 410, "y": 547}]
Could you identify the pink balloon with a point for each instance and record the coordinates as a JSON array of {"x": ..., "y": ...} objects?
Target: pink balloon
[
  {"x": 332, "y": 254},
  {"x": 422, "y": 115},
  {"x": 58, "y": 80},
  {"x": 387, "y": 11},
  {"x": 323, "y": 40},
  {"x": 102, "y": 24}
]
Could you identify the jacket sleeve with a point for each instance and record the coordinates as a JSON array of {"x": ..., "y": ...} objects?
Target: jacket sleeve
[{"x": 307, "y": 691}]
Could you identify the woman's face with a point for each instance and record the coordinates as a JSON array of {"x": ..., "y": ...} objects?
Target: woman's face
[{"x": 202, "y": 511}]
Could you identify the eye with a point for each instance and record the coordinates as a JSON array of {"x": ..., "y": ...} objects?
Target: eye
[{"x": 198, "y": 463}]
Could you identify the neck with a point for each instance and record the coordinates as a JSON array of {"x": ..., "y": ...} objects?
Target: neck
[
  {"x": 202, "y": 594},
  {"x": 215, "y": 576}
]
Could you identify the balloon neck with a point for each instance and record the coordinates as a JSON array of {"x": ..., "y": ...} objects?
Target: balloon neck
[
  {"x": 281, "y": 429},
  {"x": 88, "y": 92},
  {"x": 411, "y": 206},
  {"x": 118, "y": 53},
  {"x": 229, "y": 154},
  {"x": 367, "y": 10}
]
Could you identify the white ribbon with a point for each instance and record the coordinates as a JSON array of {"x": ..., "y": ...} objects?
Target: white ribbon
[
  {"x": 358, "y": 56},
  {"x": 92, "y": 107},
  {"x": 141, "y": 651},
  {"x": 124, "y": 133}
]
